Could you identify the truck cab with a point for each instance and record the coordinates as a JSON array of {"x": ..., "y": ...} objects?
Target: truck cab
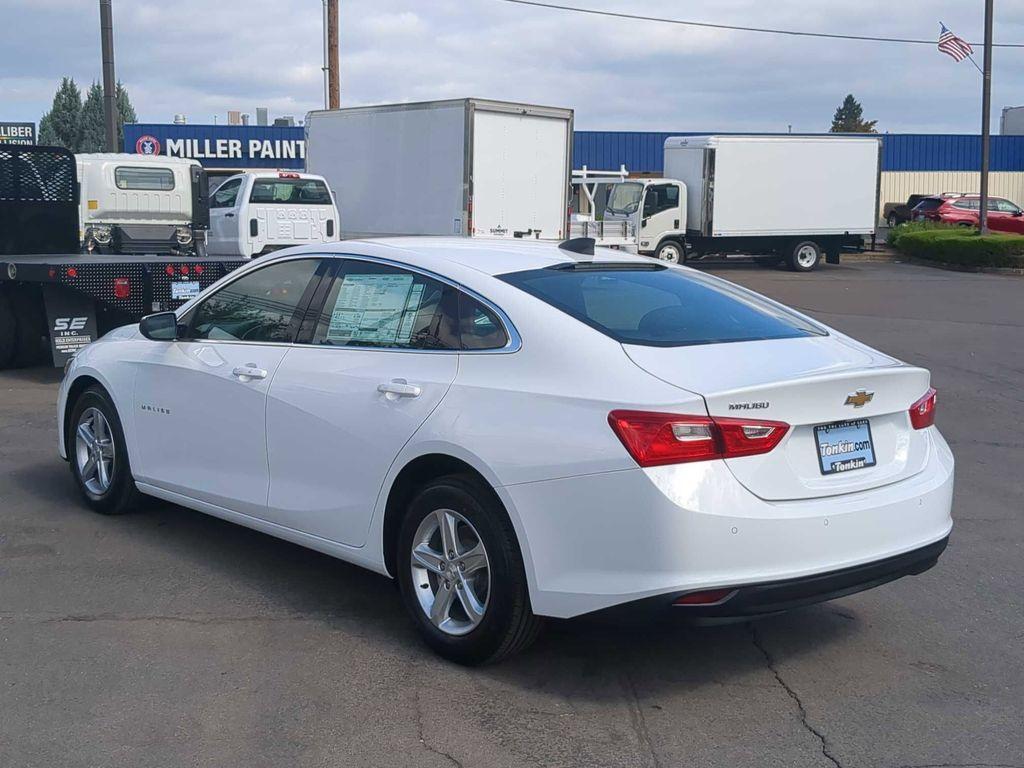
[
  {"x": 657, "y": 209},
  {"x": 256, "y": 213},
  {"x": 134, "y": 204}
]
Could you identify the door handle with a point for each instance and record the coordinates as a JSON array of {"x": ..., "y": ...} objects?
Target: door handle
[
  {"x": 397, "y": 388},
  {"x": 249, "y": 371},
  {"x": 229, "y": 215}
]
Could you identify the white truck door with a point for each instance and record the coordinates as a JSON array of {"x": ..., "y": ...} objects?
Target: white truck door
[
  {"x": 520, "y": 180},
  {"x": 224, "y": 239},
  {"x": 661, "y": 213}
]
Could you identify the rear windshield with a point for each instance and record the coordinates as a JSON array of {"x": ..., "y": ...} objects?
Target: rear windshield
[
  {"x": 658, "y": 306},
  {"x": 290, "y": 192},
  {"x": 929, "y": 204}
]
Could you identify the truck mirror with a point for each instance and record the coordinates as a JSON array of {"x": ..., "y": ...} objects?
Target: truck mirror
[{"x": 163, "y": 326}]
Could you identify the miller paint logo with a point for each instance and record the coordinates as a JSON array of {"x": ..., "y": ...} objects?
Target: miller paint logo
[{"x": 147, "y": 145}]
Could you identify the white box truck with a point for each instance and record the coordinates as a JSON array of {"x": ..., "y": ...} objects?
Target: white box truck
[
  {"x": 470, "y": 167},
  {"x": 796, "y": 199}
]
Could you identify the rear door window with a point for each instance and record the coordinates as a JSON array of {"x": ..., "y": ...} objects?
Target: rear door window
[
  {"x": 290, "y": 192},
  {"x": 929, "y": 204},
  {"x": 151, "y": 179},
  {"x": 377, "y": 305},
  {"x": 659, "y": 306}
]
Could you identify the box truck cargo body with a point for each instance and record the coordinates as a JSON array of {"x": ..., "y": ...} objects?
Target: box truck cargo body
[
  {"x": 462, "y": 167},
  {"x": 793, "y": 198}
]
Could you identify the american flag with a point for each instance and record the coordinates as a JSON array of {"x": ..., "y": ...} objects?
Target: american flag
[{"x": 952, "y": 45}]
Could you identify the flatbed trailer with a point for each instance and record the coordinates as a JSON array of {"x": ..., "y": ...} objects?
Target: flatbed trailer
[{"x": 52, "y": 296}]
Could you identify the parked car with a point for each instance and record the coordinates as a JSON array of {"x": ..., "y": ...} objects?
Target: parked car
[
  {"x": 518, "y": 430},
  {"x": 256, "y": 213},
  {"x": 1003, "y": 216},
  {"x": 900, "y": 213}
]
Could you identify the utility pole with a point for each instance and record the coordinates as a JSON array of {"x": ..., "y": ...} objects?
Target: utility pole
[
  {"x": 986, "y": 109},
  {"x": 333, "y": 83},
  {"x": 109, "y": 84}
]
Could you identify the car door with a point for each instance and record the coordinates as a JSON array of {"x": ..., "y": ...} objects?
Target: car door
[
  {"x": 382, "y": 354},
  {"x": 224, "y": 240},
  {"x": 200, "y": 401},
  {"x": 660, "y": 213},
  {"x": 1006, "y": 217}
]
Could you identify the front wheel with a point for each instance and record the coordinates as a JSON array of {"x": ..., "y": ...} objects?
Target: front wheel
[
  {"x": 461, "y": 573},
  {"x": 805, "y": 256},
  {"x": 892, "y": 221},
  {"x": 98, "y": 455},
  {"x": 670, "y": 251}
]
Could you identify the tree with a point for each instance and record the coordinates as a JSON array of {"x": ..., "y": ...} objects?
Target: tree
[
  {"x": 61, "y": 125},
  {"x": 849, "y": 118},
  {"x": 125, "y": 112},
  {"x": 93, "y": 136}
]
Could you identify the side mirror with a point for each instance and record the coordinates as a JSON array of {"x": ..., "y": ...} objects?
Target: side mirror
[{"x": 163, "y": 326}]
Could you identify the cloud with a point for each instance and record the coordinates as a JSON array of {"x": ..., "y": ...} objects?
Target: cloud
[{"x": 203, "y": 58}]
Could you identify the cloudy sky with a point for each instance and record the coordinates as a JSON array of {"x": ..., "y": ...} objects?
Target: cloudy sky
[{"x": 203, "y": 57}]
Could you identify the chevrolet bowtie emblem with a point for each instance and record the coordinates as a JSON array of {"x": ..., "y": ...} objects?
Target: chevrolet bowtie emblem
[{"x": 859, "y": 399}]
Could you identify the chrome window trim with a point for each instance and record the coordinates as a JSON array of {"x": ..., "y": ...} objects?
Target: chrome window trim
[{"x": 514, "y": 343}]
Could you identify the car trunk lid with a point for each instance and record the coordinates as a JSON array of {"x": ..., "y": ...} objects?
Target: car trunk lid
[{"x": 807, "y": 383}]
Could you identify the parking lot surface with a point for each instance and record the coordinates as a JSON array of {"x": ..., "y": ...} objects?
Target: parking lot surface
[{"x": 169, "y": 638}]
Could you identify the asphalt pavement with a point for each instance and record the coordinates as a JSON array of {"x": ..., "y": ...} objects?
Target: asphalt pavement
[{"x": 168, "y": 638}]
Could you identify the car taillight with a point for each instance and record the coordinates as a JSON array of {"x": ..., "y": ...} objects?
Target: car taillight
[
  {"x": 922, "y": 413},
  {"x": 122, "y": 287},
  {"x": 655, "y": 439}
]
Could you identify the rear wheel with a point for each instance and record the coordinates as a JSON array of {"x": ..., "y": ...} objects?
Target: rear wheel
[
  {"x": 892, "y": 221},
  {"x": 805, "y": 256},
  {"x": 670, "y": 251},
  {"x": 98, "y": 455},
  {"x": 461, "y": 573}
]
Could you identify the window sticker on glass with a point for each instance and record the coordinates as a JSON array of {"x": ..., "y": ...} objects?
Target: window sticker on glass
[{"x": 375, "y": 309}]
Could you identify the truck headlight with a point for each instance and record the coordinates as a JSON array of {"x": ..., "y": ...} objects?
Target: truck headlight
[
  {"x": 100, "y": 233},
  {"x": 183, "y": 235}
]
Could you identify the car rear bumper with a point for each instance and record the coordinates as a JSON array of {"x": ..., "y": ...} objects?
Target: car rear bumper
[{"x": 608, "y": 540}]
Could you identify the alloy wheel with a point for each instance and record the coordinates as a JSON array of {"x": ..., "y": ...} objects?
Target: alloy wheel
[
  {"x": 450, "y": 572},
  {"x": 94, "y": 451},
  {"x": 807, "y": 256}
]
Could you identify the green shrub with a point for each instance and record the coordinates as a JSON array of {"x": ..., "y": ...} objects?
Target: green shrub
[
  {"x": 896, "y": 233},
  {"x": 963, "y": 247}
]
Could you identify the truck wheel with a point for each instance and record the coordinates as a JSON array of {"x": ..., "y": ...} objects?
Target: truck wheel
[
  {"x": 670, "y": 251},
  {"x": 805, "y": 256},
  {"x": 892, "y": 221},
  {"x": 7, "y": 332}
]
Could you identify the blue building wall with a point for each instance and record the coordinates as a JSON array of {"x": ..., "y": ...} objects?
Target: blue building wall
[
  {"x": 641, "y": 151},
  {"x": 221, "y": 146}
]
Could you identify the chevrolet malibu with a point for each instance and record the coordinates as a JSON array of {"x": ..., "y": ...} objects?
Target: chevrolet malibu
[{"x": 515, "y": 431}]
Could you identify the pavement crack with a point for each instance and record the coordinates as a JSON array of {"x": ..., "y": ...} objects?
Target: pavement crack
[
  {"x": 770, "y": 663},
  {"x": 637, "y": 719},
  {"x": 427, "y": 745}
]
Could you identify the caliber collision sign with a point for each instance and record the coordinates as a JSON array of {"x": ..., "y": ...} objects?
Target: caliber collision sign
[{"x": 17, "y": 133}]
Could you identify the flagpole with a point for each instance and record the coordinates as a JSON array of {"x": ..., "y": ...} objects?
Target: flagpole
[{"x": 986, "y": 109}]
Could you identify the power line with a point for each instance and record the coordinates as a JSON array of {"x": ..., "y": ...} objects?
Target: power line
[{"x": 735, "y": 28}]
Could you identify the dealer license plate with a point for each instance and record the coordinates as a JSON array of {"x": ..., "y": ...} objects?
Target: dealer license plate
[
  {"x": 844, "y": 446},
  {"x": 184, "y": 290}
]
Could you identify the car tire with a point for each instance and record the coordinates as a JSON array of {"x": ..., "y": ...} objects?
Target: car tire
[
  {"x": 8, "y": 337},
  {"x": 892, "y": 221},
  {"x": 106, "y": 485},
  {"x": 483, "y": 615},
  {"x": 670, "y": 251},
  {"x": 804, "y": 256}
]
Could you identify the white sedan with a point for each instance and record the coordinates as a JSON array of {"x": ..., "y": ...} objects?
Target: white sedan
[{"x": 520, "y": 430}]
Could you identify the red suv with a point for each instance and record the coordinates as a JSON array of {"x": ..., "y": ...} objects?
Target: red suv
[{"x": 1003, "y": 216}]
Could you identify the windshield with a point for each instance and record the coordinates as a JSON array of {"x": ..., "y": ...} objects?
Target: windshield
[
  {"x": 624, "y": 198},
  {"x": 657, "y": 306}
]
